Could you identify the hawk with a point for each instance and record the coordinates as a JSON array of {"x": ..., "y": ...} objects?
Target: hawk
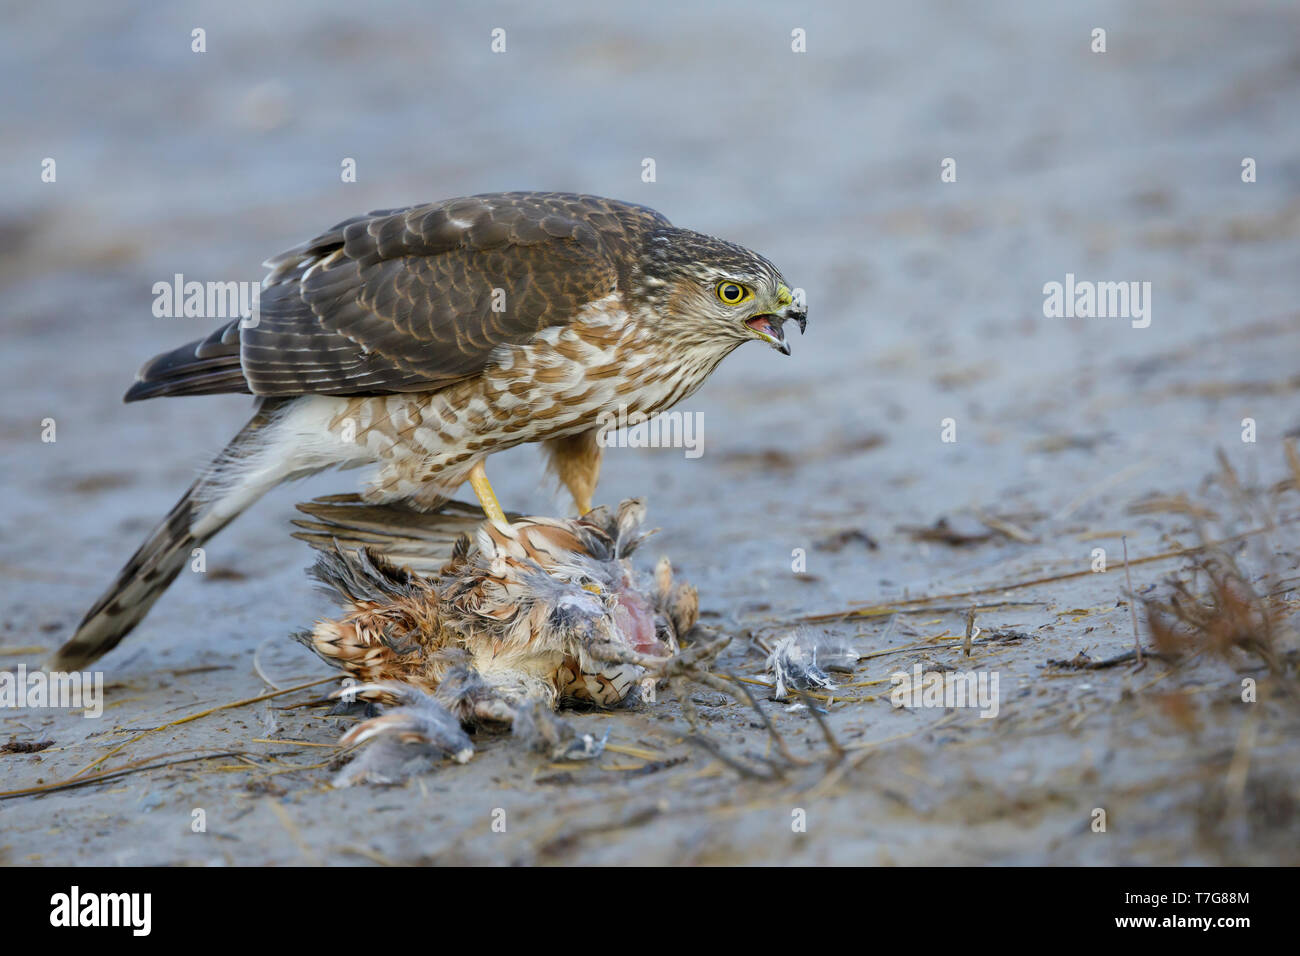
[{"x": 413, "y": 343}]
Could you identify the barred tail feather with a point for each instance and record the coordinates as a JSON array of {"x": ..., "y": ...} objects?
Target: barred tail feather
[{"x": 231, "y": 484}]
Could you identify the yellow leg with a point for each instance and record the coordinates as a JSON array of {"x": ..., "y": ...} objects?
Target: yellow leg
[{"x": 478, "y": 480}]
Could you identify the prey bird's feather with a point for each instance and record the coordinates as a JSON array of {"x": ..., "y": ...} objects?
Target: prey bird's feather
[{"x": 421, "y": 541}]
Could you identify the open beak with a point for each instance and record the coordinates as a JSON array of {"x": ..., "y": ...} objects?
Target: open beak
[{"x": 770, "y": 326}]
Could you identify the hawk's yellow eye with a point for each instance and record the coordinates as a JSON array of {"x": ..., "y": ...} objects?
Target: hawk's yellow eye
[{"x": 733, "y": 293}]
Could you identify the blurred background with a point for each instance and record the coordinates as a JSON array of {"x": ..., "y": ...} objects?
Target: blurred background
[
  {"x": 925, "y": 297},
  {"x": 1119, "y": 166}
]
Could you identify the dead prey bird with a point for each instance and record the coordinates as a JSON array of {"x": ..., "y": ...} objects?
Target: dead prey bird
[
  {"x": 452, "y": 622},
  {"x": 414, "y": 343}
]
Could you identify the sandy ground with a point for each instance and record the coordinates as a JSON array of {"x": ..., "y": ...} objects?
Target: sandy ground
[{"x": 926, "y": 304}]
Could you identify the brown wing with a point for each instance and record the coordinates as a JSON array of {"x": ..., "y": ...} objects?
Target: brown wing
[{"x": 407, "y": 300}]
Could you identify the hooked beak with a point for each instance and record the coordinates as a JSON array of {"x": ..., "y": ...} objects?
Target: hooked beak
[{"x": 770, "y": 326}]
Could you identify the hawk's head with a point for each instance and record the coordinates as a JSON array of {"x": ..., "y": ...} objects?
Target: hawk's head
[{"x": 708, "y": 292}]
